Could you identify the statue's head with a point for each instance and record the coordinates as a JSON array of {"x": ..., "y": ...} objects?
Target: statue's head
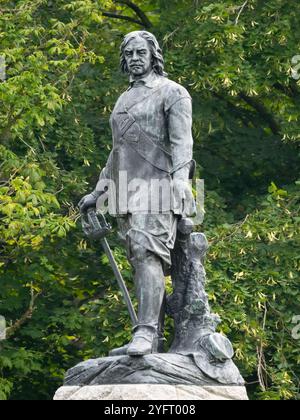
[{"x": 140, "y": 54}]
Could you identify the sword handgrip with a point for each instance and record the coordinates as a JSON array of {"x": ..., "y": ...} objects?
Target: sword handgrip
[{"x": 94, "y": 224}]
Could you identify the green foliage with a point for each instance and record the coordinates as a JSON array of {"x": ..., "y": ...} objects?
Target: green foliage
[
  {"x": 57, "y": 292},
  {"x": 254, "y": 285}
]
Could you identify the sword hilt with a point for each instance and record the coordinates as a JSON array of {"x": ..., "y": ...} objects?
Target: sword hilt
[{"x": 94, "y": 224}]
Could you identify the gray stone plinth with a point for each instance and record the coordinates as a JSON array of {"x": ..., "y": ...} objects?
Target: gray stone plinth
[{"x": 142, "y": 392}]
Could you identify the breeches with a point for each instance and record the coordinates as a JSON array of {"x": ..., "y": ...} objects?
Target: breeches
[{"x": 149, "y": 235}]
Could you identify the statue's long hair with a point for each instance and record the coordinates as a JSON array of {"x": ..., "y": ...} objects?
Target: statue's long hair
[{"x": 157, "y": 57}]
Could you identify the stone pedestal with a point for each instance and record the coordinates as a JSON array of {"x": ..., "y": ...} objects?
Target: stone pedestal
[
  {"x": 147, "y": 392},
  {"x": 162, "y": 377}
]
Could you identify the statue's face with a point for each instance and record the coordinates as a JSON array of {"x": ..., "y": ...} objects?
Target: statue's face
[{"x": 138, "y": 57}]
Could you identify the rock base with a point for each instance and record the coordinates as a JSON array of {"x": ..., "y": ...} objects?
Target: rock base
[
  {"x": 162, "y": 369},
  {"x": 148, "y": 392}
]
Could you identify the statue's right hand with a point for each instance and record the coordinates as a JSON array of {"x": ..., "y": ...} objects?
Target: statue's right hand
[{"x": 88, "y": 201}]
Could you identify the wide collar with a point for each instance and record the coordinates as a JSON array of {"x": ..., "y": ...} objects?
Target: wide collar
[{"x": 150, "y": 81}]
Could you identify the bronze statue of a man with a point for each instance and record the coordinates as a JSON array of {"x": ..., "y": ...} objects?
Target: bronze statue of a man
[{"x": 152, "y": 145}]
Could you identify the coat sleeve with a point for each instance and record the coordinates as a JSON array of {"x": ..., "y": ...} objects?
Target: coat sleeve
[
  {"x": 105, "y": 176},
  {"x": 179, "y": 114},
  {"x": 178, "y": 108}
]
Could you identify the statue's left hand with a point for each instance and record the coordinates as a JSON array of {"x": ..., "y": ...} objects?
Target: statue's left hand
[{"x": 183, "y": 198}]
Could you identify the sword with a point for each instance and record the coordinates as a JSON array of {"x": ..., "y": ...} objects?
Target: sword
[{"x": 96, "y": 227}]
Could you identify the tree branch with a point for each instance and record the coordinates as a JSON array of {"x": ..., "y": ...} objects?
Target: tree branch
[
  {"x": 241, "y": 11},
  {"x": 262, "y": 110},
  {"x": 116, "y": 16},
  {"x": 262, "y": 366},
  {"x": 291, "y": 90},
  {"x": 238, "y": 225},
  {"x": 142, "y": 16},
  {"x": 8, "y": 11},
  {"x": 246, "y": 116},
  {"x": 25, "y": 317}
]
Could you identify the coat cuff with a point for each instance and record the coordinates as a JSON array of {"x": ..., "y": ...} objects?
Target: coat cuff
[{"x": 185, "y": 171}]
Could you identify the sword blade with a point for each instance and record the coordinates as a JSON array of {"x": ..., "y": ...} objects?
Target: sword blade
[{"x": 120, "y": 281}]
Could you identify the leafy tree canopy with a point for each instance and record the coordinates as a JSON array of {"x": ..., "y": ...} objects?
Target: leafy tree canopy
[{"x": 57, "y": 292}]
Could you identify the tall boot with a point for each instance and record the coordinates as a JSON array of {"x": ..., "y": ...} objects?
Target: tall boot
[
  {"x": 150, "y": 290},
  {"x": 161, "y": 326}
]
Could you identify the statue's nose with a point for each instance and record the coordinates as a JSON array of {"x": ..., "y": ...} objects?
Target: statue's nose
[{"x": 135, "y": 56}]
